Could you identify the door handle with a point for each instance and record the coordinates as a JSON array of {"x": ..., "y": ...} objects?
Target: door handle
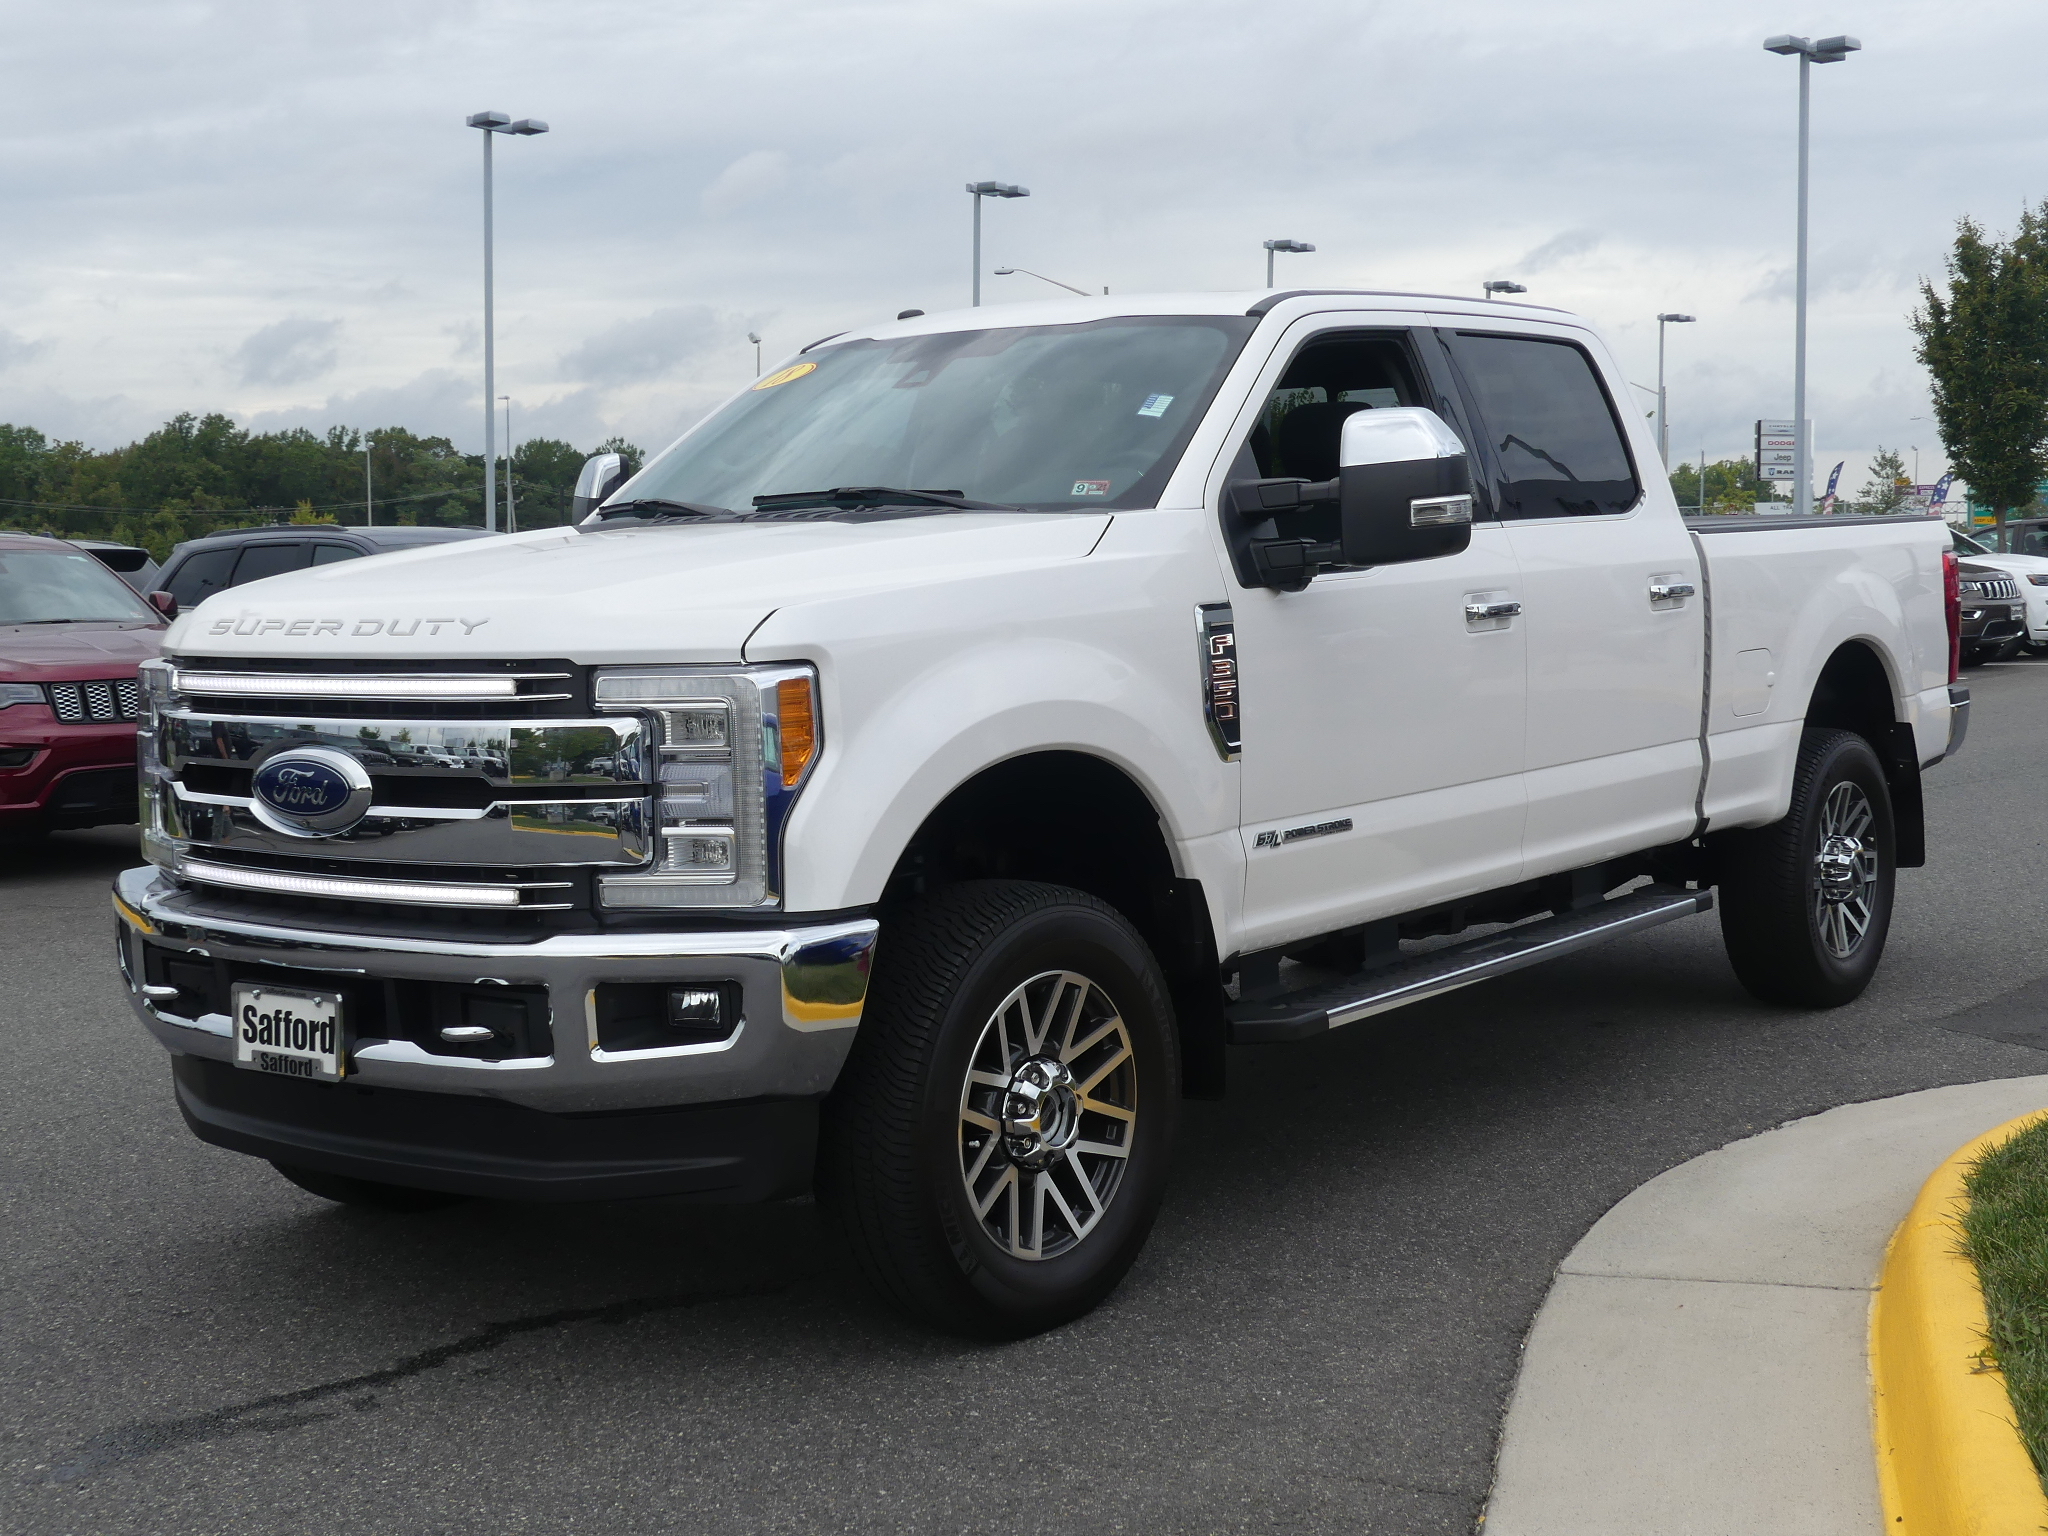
[
  {"x": 1479, "y": 613},
  {"x": 1671, "y": 591}
]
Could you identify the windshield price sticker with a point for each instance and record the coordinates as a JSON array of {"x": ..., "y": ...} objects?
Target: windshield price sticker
[
  {"x": 1090, "y": 488},
  {"x": 288, "y": 1033},
  {"x": 1155, "y": 405},
  {"x": 785, "y": 375}
]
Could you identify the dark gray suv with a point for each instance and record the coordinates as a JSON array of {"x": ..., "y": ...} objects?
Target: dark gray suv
[{"x": 198, "y": 568}]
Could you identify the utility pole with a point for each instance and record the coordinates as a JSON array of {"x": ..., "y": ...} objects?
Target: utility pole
[
  {"x": 369, "y": 500},
  {"x": 511, "y": 514}
]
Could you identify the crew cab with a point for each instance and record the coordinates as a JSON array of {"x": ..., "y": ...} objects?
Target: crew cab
[{"x": 914, "y": 782}]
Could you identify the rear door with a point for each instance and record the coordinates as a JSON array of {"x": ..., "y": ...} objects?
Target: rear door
[
  {"x": 1610, "y": 596},
  {"x": 1382, "y": 732}
]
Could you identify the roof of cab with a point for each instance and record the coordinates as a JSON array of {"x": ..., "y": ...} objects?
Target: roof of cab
[{"x": 1254, "y": 303}]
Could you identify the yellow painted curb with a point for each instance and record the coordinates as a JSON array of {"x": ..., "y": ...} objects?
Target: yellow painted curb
[{"x": 1949, "y": 1461}]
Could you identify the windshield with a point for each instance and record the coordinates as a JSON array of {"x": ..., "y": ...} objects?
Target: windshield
[
  {"x": 1965, "y": 546},
  {"x": 51, "y": 586},
  {"x": 1028, "y": 416}
]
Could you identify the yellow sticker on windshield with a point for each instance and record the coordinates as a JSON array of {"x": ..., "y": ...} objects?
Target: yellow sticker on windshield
[{"x": 784, "y": 375}]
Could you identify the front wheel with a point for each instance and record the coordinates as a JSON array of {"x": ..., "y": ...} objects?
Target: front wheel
[
  {"x": 1806, "y": 902},
  {"x": 997, "y": 1147}
]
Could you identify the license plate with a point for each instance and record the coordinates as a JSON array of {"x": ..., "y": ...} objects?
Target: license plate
[{"x": 288, "y": 1033}]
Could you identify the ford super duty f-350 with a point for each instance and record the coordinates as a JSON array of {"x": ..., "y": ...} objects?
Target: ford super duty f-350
[{"x": 910, "y": 783}]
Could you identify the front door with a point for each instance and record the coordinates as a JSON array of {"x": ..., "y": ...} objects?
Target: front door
[
  {"x": 1382, "y": 731},
  {"x": 1610, "y": 600}
]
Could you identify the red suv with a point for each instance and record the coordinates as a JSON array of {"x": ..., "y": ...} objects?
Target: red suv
[{"x": 71, "y": 636}]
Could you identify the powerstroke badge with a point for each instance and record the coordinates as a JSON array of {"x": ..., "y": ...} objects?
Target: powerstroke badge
[{"x": 1217, "y": 631}]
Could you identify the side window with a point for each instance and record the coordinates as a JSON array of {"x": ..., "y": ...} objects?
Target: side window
[
  {"x": 1557, "y": 448},
  {"x": 261, "y": 560},
  {"x": 201, "y": 575},
  {"x": 327, "y": 554},
  {"x": 1298, "y": 433}
]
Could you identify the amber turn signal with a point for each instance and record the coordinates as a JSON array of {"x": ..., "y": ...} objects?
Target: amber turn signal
[{"x": 796, "y": 704}]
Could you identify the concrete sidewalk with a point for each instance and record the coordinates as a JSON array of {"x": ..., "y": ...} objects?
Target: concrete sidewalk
[{"x": 1698, "y": 1368}]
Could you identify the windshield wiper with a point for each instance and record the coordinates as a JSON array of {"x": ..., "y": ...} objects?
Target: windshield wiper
[
  {"x": 880, "y": 496},
  {"x": 24, "y": 623},
  {"x": 656, "y": 506}
]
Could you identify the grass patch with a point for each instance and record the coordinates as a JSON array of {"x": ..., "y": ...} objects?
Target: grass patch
[{"x": 2005, "y": 1232}]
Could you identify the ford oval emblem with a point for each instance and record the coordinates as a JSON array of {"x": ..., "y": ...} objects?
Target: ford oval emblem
[{"x": 310, "y": 792}]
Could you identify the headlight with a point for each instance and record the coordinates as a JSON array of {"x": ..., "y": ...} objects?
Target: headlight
[
  {"x": 20, "y": 693},
  {"x": 2037, "y": 578},
  {"x": 734, "y": 748}
]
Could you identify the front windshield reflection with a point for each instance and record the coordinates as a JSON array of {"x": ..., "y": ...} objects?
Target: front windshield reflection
[{"x": 1032, "y": 416}]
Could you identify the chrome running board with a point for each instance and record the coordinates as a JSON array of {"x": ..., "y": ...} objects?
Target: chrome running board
[{"x": 1301, "y": 1015}]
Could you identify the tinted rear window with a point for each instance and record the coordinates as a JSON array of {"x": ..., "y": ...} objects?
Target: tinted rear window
[
  {"x": 261, "y": 560},
  {"x": 327, "y": 554},
  {"x": 1557, "y": 448}
]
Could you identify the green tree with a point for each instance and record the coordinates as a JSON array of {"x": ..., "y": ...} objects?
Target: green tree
[
  {"x": 1985, "y": 344},
  {"x": 1887, "y": 488},
  {"x": 1732, "y": 486}
]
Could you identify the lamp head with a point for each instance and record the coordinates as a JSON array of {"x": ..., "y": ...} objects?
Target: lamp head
[
  {"x": 527, "y": 126},
  {"x": 1497, "y": 285},
  {"x": 754, "y": 337},
  {"x": 1676, "y": 319},
  {"x": 490, "y": 120},
  {"x": 997, "y": 189}
]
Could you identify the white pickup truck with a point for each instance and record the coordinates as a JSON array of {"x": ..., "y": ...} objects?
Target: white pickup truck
[{"x": 911, "y": 783}]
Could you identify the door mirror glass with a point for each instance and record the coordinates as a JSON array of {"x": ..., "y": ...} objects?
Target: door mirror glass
[
  {"x": 1404, "y": 487},
  {"x": 602, "y": 474}
]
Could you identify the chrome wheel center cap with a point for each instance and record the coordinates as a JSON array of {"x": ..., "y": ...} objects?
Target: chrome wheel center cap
[
  {"x": 1041, "y": 1112},
  {"x": 1838, "y": 864}
]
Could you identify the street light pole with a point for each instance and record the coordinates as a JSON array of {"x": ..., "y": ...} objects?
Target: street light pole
[
  {"x": 369, "y": 499},
  {"x": 979, "y": 190},
  {"x": 493, "y": 124},
  {"x": 1291, "y": 247},
  {"x": 755, "y": 338},
  {"x": 1829, "y": 50},
  {"x": 1663, "y": 420}
]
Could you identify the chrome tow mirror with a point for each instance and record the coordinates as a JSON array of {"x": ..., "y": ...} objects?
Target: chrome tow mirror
[{"x": 602, "y": 474}]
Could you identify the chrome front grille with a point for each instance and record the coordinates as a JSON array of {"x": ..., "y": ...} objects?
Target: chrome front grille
[
  {"x": 485, "y": 792},
  {"x": 1992, "y": 588},
  {"x": 99, "y": 702}
]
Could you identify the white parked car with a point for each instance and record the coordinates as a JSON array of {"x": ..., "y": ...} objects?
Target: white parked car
[
  {"x": 2030, "y": 571},
  {"x": 1007, "y": 712}
]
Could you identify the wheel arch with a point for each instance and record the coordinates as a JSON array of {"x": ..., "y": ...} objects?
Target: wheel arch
[
  {"x": 1855, "y": 691},
  {"x": 1071, "y": 818}
]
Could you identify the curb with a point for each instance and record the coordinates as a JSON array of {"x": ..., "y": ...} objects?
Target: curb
[{"x": 1949, "y": 1461}]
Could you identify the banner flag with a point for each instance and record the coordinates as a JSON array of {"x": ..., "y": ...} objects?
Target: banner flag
[
  {"x": 1941, "y": 486},
  {"x": 1827, "y": 503}
]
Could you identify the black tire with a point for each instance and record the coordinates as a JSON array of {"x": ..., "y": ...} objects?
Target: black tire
[
  {"x": 367, "y": 1194},
  {"x": 1790, "y": 921},
  {"x": 898, "y": 1152}
]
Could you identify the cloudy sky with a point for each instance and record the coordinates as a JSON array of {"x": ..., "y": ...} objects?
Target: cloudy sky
[{"x": 273, "y": 208}]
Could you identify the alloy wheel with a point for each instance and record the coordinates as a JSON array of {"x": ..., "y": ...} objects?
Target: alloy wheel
[{"x": 1048, "y": 1113}]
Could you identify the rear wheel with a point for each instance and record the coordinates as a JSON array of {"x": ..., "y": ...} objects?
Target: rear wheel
[
  {"x": 996, "y": 1149},
  {"x": 366, "y": 1194},
  {"x": 1806, "y": 903}
]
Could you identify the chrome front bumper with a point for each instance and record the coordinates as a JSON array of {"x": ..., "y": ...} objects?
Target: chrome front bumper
[{"x": 799, "y": 1012}]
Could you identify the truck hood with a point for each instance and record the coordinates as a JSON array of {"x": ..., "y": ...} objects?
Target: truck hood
[
  {"x": 674, "y": 592},
  {"x": 61, "y": 653}
]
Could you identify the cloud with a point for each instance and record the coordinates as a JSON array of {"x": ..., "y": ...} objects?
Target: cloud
[
  {"x": 16, "y": 349},
  {"x": 634, "y": 351},
  {"x": 1557, "y": 250},
  {"x": 290, "y": 351},
  {"x": 748, "y": 179}
]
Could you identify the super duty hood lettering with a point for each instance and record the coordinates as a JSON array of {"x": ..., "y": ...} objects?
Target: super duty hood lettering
[{"x": 291, "y": 628}]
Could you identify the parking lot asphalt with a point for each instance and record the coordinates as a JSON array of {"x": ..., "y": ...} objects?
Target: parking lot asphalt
[{"x": 1321, "y": 1336}]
